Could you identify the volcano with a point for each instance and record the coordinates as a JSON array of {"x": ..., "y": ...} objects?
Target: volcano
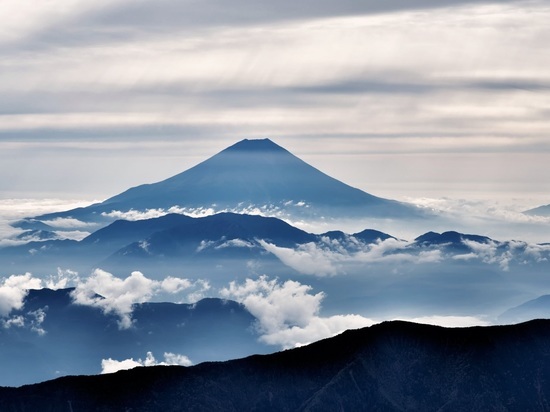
[{"x": 250, "y": 174}]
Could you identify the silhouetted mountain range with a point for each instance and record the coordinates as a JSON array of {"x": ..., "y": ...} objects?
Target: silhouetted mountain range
[{"x": 393, "y": 366}]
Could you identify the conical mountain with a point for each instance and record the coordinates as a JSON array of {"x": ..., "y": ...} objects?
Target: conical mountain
[{"x": 252, "y": 173}]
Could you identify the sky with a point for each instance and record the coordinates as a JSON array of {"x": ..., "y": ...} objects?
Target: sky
[{"x": 405, "y": 99}]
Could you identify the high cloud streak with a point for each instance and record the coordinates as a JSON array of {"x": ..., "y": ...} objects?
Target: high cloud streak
[
  {"x": 288, "y": 313},
  {"x": 111, "y": 365}
]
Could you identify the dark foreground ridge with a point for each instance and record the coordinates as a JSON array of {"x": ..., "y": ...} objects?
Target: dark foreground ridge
[{"x": 393, "y": 366}]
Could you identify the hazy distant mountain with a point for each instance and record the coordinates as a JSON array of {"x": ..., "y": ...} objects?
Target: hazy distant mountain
[
  {"x": 51, "y": 336},
  {"x": 255, "y": 173},
  {"x": 221, "y": 232},
  {"x": 171, "y": 239},
  {"x": 162, "y": 244},
  {"x": 538, "y": 308},
  {"x": 393, "y": 366},
  {"x": 539, "y": 211},
  {"x": 37, "y": 235},
  {"x": 452, "y": 241}
]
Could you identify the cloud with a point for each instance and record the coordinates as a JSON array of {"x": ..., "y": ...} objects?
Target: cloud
[
  {"x": 449, "y": 321},
  {"x": 491, "y": 253},
  {"x": 101, "y": 289},
  {"x": 331, "y": 257},
  {"x": 307, "y": 258},
  {"x": 13, "y": 291},
  {"x": 201, "y": 287},
  {"x": 72, "y": 234},
  {"x": 64, "y": 278},
  {"x": 235, "y": 243},
  {"x": 118, "y": 296},
  {"x": 68, "y": 223},
  {"x": 288, "y": 313},
  {"x": 110, "y": 365},
  {"x": 142, "y": 215},
  {"x": 32, "y": 320},
  {"x": 175, "y": 285}
]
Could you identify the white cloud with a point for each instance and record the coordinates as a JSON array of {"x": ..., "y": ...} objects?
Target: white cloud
[
  {"x": 111, "y": 365},
  {"x": 33, "y": 320},
  {"x": 330, "y": 257},
  {"x": 235, "y": 243},
  {"x": 307, "y": 258},
  {"x": 36, "y": 318},
  {"x": 72, "y": 234},
  {"x": 118, "y": 296},
  {"x": 16, "y": 321},
  {"x": 489, "y": 253},
  {"x": 175, "y": 285},
  {"x": 68, "y": 223},
  {"x": 142, "y": 215},
  {"x": 201, "y": 287},
  {"x": 287, "y": 313},
  {"x": 63, "y": 279},
  {"x": 13, "y": 291},
  {"x": 449, "y": 321},
  {"x": 316, "y": 329}
]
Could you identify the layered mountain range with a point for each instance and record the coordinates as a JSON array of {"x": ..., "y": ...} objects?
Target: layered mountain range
[{"x": 176, "y": 239}]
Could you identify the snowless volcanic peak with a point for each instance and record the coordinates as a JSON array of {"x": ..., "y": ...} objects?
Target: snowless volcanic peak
[{"x": 253, "y": 173}]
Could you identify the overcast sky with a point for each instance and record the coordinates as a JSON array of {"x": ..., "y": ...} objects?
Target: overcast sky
[{"x": 402, "y": 98}]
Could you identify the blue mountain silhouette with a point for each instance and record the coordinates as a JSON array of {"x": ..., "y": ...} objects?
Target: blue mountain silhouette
[{"x": 251, "y": 172}]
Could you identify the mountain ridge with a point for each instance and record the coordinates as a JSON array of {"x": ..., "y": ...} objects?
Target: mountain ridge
[{"x": 390, "y": 366}]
